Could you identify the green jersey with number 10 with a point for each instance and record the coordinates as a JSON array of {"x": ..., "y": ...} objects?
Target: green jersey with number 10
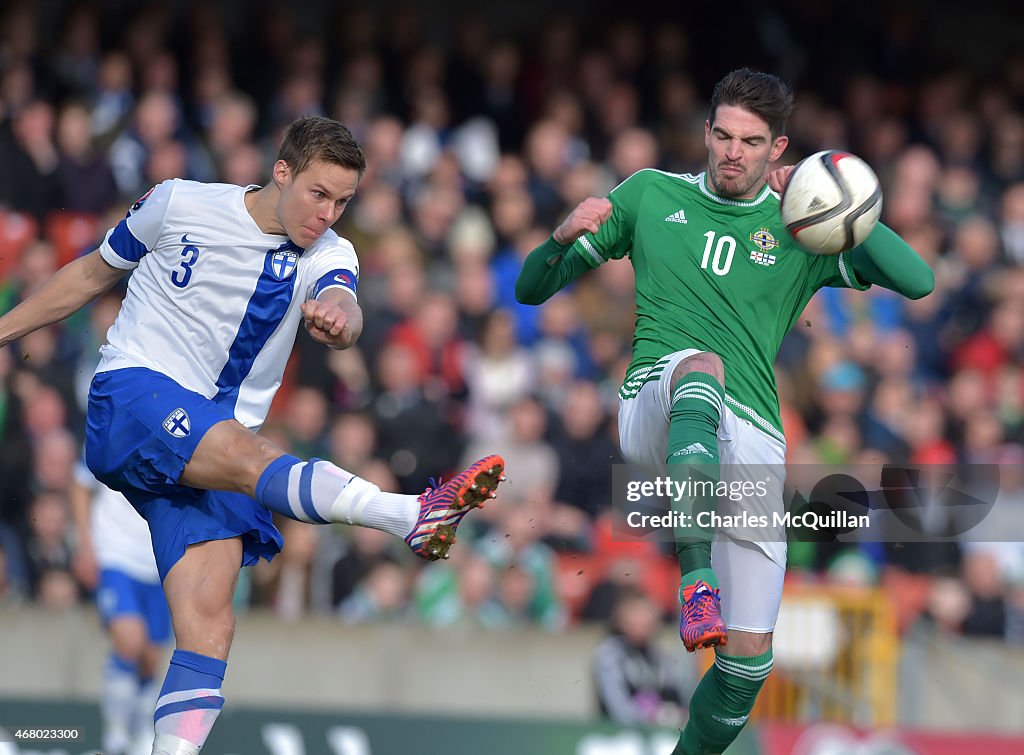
[{"x": 712, "y": 273}]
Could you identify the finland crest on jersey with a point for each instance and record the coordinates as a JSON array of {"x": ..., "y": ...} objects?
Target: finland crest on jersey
[
  {"x": 213, "y": 302},
  {"x": 283, "y": 264},
  {"x": 178, "y": 423}
]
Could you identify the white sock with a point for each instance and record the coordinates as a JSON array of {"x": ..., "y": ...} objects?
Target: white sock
[
  {"x": 120, "y": 689},
  {"x": 168, "y": 744},
  {"x": 363, "y": 503},
  {"x": 145, "y": 705},
  {"x": 319, "y": 492}
]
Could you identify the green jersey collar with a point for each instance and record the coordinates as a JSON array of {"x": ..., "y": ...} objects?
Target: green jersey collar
[{"x": 765, "y": 193}]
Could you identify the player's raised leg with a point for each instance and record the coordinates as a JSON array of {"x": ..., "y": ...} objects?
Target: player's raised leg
[
  {"x": 752, "y": 592},
  {"x": 698, "y": 400},
  {"x": 230, "y": 457},
  {"x": 200, "y": 588}
]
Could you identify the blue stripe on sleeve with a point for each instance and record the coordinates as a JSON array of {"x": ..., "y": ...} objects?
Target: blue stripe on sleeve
[
  {"x": 125, "y": 245},
  {"x": 336, "y": 278}
]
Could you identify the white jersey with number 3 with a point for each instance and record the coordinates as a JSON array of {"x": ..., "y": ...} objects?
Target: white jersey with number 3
[{"x": 213, "y": 302}]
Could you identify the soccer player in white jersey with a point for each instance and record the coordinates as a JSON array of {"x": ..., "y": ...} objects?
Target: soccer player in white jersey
[
  {"x": 115, "y": 557},
  {"x": 221, "y": 277}
]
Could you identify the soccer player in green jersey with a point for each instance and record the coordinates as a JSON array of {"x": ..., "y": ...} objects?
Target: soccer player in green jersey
[{"x": 719, "y": 283}]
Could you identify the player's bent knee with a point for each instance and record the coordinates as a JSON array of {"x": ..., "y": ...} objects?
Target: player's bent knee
[
  {"x": 209, "y": 634},
  {"x": 706, "y": 361},
  {"x": 748, "y": 643}
]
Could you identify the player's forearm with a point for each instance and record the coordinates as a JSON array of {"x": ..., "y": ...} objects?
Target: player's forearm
[
  {"x": 322, "y": 325},
  {"x": 355, "y": 322},
  {"x": 546, "y": 270},
  {"x": 887, "y": 260},
  {"x": 67, "y": 291}
]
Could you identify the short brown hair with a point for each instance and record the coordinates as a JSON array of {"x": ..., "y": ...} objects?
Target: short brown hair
[
  {"x": 313, "y": 137},
  {"x": 763, "y": 94}
]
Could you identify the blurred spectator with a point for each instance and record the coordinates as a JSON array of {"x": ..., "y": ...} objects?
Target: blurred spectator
[
  {"x": 155, "y": 124},
  {"x": 15, "y": 450},
  {"x": 76, "y": 61},
  {"x": 45, "y": 359},
  {"x": 499, "y": 373},
  {"x": 636, "y": 680},
  {"x": 30, "y": 180},
  {"x": 1011, "y": 223},
  {"x": 525, "y": 568},
  {"x": 365, "y": 551},
  {"x": 113, "y": 99},
  {"x": 462, "y": 592},
  {"x": 305, "y": 422},
  {"x": 382, "y": 596},
  {"x": 414, "y": 428},
  {"x": 524, "y": 447},
  {"x": 47, "y": 548},
  {"x": 986, "y": 615},
  {"x": 87, "y": 181},
  {"x": 55, "y": 452},
  {"x": 586, "y": 452},
  {"x": 431, "y": 336},
  {"x": 352, "y": 441}
]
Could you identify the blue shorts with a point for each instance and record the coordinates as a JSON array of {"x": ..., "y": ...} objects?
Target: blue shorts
[
  {"x": 141, "y": 430},
  {"x": 118, "y": 595}
]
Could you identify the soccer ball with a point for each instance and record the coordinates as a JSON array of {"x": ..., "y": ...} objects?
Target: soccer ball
[{"x": 832, "y": 202}]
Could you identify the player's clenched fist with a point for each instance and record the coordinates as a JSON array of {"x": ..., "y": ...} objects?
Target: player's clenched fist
[
  {"x": 586, "y": 218},
  {"x": 327, "y": 323}
]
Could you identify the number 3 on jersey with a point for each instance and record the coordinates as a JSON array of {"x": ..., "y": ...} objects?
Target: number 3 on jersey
[
  {"x": 726, "y": 245},
  {"x": 180, "y": 276}
]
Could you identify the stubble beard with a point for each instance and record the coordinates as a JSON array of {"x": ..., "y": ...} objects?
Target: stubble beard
[{"x": 731, "y": 187}]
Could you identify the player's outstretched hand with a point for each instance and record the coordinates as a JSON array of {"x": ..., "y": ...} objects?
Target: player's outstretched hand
[
  {"x": 586, "y": 218},
  {"x": 327, "y": 323},
  {"x": 779, "y": 177}
]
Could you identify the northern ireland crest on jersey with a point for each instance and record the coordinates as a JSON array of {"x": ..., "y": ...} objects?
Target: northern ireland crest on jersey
[
  {"x": 178, "y": 423},
  {"x": 764, "y": 240},
  {"x": 282, "y": 264}
]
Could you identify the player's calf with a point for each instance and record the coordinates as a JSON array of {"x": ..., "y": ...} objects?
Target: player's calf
[{"x": 722, "y": 702}]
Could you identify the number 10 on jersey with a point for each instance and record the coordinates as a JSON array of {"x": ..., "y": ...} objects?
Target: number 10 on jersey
[{"x": 725, "y": 247}]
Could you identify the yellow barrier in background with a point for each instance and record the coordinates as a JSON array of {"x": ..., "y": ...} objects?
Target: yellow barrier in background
[{"x": 836, "y": 653}]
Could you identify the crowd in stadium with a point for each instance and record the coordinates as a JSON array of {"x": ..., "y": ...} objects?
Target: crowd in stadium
[{"x": 475, "y": 150}]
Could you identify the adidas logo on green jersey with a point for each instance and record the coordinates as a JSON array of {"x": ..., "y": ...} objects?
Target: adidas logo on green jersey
[{"x": 677, "y": 217}]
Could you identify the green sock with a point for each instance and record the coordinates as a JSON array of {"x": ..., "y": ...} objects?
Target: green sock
[
  {"x": 722, "y": 702},
  {"x": 697, "y": 404}
]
